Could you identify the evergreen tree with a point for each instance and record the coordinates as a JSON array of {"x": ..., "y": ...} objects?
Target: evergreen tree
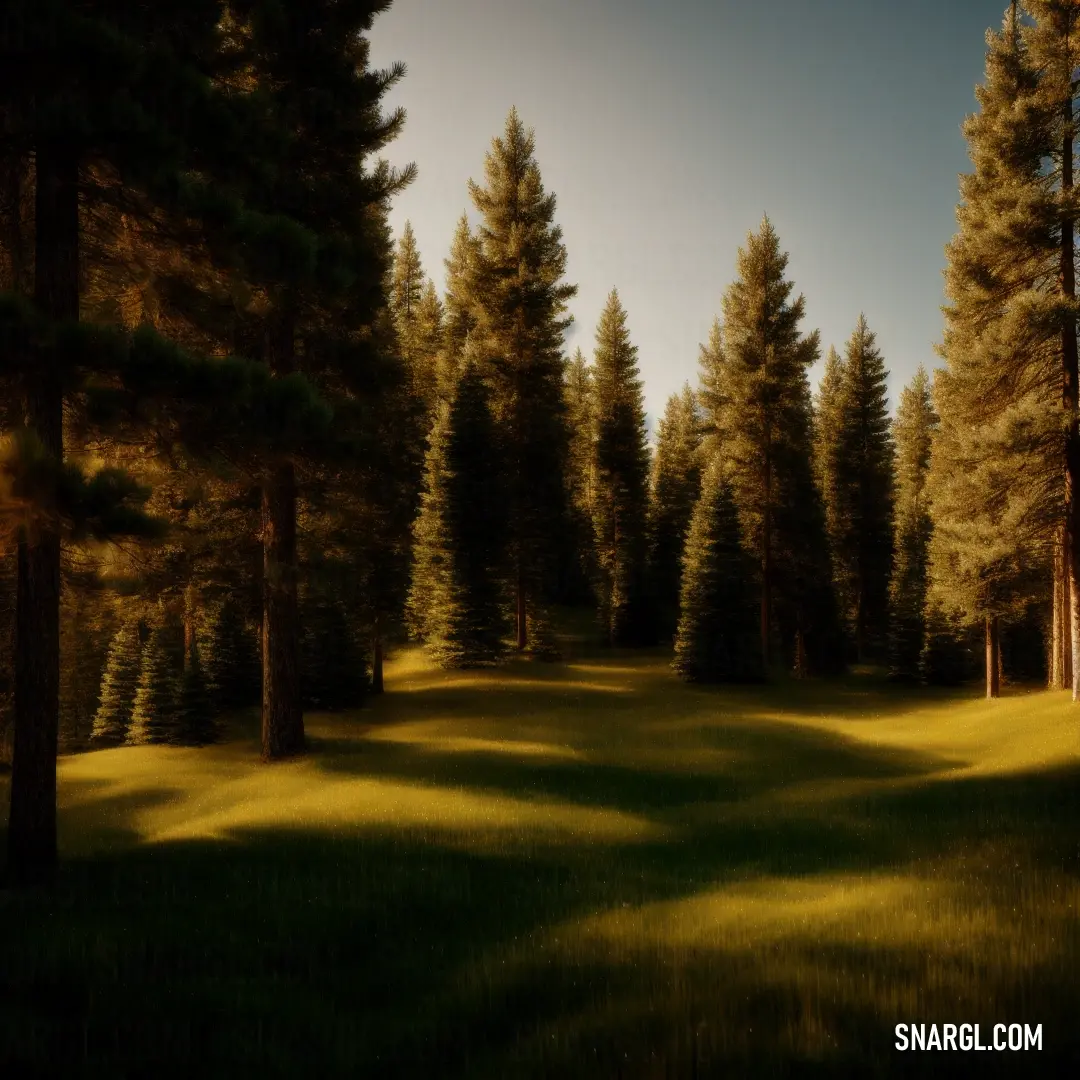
[
  {"x": 230, "y": 660},
  {"x": 578, "y": 557},
  {"x": 459, "y": 305},
  {"x": 519, "y": 304},
  {"x": 118, "y": 684},
  {"x": 675, "y": 488},
  {"x": 762, "y": 423},
  {"x": 417, "y": 314},
  {"x": 711, "y": 393},
  {"x": 827, "y": 426},
  {"x": 914, "y": 427},
  {"x": 196, "y": 722},
  {"x": 620, "y": 498},
  {"x": 155, "y": 710},
  {"x": 333, "y": 671},
  {"x": 995, "y": 479},
  {"x": 457, "y": 597},
  {"x": 860, "y": 486},
  {"x": 717, "y": 638}
]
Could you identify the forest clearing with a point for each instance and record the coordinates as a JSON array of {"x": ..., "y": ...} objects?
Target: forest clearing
[{"x": 581, "y": 868}]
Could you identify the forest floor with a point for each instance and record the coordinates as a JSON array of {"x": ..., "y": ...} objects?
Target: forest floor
[{"x": 579, "y": 869}]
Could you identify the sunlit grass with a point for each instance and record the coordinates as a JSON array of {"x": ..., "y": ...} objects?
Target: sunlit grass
[{"x": 579, "y": 869}]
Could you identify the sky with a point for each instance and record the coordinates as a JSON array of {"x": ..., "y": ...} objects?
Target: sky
[{"x": 666, "y": 130}]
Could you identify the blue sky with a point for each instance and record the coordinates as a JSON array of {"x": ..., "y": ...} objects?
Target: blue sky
[{"x": 666, "y": 129}]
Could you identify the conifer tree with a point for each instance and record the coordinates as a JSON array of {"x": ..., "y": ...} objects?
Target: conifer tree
[
  {"x": 827, "y": 424},
  {"x": 155, "y": 710},
  {"x": 717, "y": 638},
  {"x": 914, "y": 427},
  {"x": 520, "y": 299},
  {"x": 456, "y": 599},
  {"x": 196, "y": 722},
  {"x": 417, "y": 314},
  {"x": 711, "y": 392},
  {"x": 459, "y": 304},
  {"x": 675, "y": 488},
  {"x": 580, "y": 557},
  {"x": 118, "y": 684},
  {"x": 620, "y": 498},
  {"x": 999, "y": 457},
  {"x": 230, "y": 660},
  {"x": 762, "y": 425},
  {"x": 860, "y": 489}
]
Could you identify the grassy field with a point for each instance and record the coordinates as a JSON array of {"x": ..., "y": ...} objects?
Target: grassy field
[{"x": 576, "y": 869}]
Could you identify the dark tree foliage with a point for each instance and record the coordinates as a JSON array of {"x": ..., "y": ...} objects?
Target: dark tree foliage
[
  {"x": 717, "y": 638},
  {"x": 676, "y": 485},
  {"x": 458, "y": 596},
  {"x": 620, "y": 497}
]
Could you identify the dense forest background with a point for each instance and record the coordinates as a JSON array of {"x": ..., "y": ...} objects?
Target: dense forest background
[{"x": 248, "y": 447}]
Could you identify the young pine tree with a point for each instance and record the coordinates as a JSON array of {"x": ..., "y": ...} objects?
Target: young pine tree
[
  {"x": 762, "y": 424},
  {"x": 620, "y": 498},
  {"x": 674, "y": 491},
  {"x": 519, "y": 303},
  {"x": 155, "y": 711},
  {"x": 196, "y": 721},
  {"x": 860, "y": 487},
  {"x": 118, "y": 685},
  {"x": 578, "y": 557},
  {"x": 230, "y": 660},
  {"x": 913, "y": 430},
  {"x": 717, "y": 638},
  {"x": 827, "y": 421},
  {"x": 457, "y": 599}
]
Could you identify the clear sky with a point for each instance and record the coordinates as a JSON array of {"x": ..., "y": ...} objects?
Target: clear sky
[{"x": 666, "y": 128}]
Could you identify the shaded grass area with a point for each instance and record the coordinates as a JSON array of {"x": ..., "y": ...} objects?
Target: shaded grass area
[{"x": 582, "y": 869}]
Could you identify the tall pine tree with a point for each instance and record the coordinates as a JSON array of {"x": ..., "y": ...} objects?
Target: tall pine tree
[
  {"x": 718, "y": 636},
  {"x": 620, "y": 498},
  {"x": 860, "y": 487},
  {"x": 520, "y": 298},
  {"x": 674, "y": 491},
  {"x": 913, "y": 430}
]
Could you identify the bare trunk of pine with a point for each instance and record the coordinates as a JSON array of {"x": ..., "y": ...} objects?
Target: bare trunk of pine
[
  {"x": 766, "y": 574},
  {"x": 32, "y": 822},
  {"x": 377, "y": 657},
  {"x": 189, "y": 627},
  {"x": 282, "y": 715},
  {"x": 993, "y": 657},
  {"x": 1056, "y": 680},
  {"x": 522, "y": 626},
  {"x": 282, "y": 711},
  {"x": 1066, "y": 632},
  {"x": 1071, "y": 397}
]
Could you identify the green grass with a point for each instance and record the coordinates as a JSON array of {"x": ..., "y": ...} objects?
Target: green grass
[{"x": 579, "y": 869}]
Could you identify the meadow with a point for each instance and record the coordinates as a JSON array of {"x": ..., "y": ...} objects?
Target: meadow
[{"x": 576, "y": 869}]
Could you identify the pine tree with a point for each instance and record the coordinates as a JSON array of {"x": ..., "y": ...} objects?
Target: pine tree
[
  {"x": 711, "y": 390},
  {"x": 417, "y": 314},
  {"x": 519, "y": 305},
  {"x": 333, "y": 671},
  {"x": 196, "y": 721},
  {"x": 620, "y": 498},
  {"x": 457, "y": 596},
  {"x": 578, "y": 555},
  {"x": 230, "y": 660},
  {"x": 155, "y": 711},
  {"x": 998, "y": 457},
  {"x": 762, "y": 426},
  {"x": 914, "y": 427},
  {"x": 827, "y": 425},
  {"x": 860, "y": 486},
  {"x": 717, "y": 638},
  {"x": 675, "y": 488},
  {"x": 118, "y": 684}
]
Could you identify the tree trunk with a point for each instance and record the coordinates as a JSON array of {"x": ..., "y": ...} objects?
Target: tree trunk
[
  {"x": 189, "y": 627},
  {"x": 766, "y": 580},
  {"x": 1056, "y": 680},
  {"x": 377, "y": 657},
  {"x": 1071, "y": 395},
  {"x": 522, "y": 623},
  {"x": 993, "y": 655},
  {"x": 1066, "y": 633},
  {"x": 282, "y": 714},
  {"x": 32, "y": 824}
]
